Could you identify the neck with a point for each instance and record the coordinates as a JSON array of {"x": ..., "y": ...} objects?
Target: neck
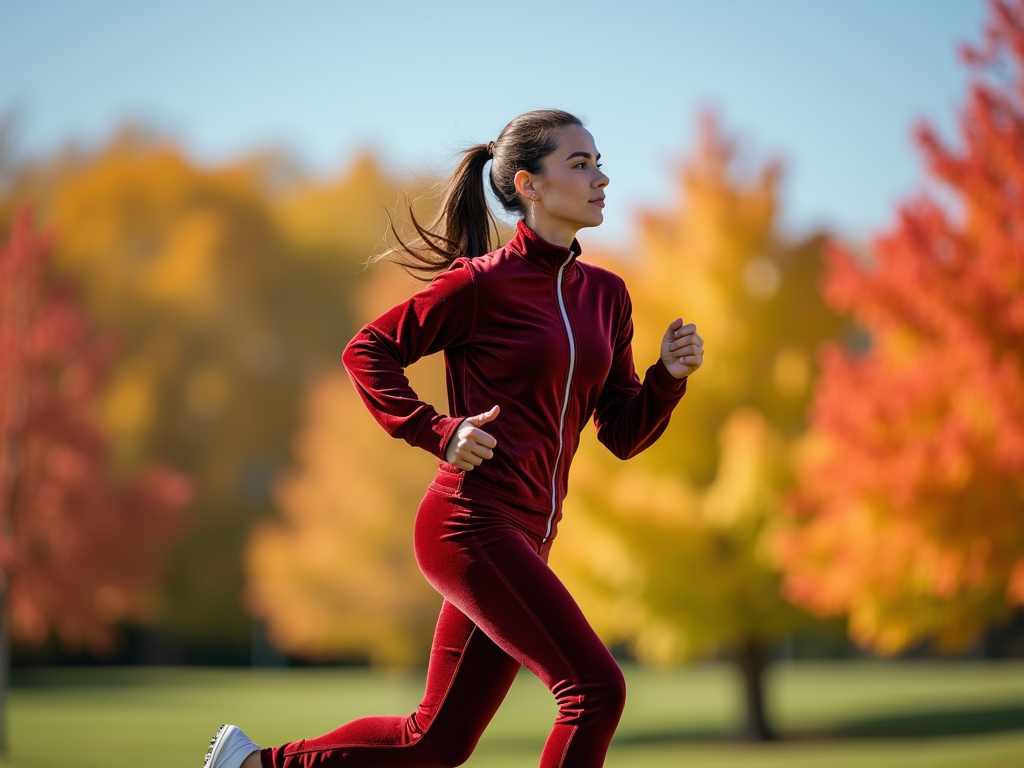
[{"x": 554, "y": 232}]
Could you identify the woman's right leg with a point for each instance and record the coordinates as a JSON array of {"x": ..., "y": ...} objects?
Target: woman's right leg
[
  {"x": 467, "y": 678},
  {"x": 485, "y": 557}
]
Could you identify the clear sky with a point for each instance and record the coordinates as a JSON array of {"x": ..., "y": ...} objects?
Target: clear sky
[{"x": 833, "y": 87}]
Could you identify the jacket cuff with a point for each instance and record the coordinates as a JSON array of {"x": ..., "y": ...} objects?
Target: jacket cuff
[
  {"x": 664, "y": 383},
  {"x": 445, "y": 427}
]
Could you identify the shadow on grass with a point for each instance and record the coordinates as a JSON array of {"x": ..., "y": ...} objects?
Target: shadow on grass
[
  {"x": 962, "y": 722},
  {"x": 905, "y": 725},
  {"x": 72, "y": 678}
]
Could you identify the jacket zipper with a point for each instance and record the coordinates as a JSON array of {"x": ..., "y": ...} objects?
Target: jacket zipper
[{"x": 565, "y": 399}]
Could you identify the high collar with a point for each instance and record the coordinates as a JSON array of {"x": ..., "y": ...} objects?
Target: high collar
[{"x": 539, "y": 252}]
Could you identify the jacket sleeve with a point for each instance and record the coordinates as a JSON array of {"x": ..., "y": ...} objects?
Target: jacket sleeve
[
  {"x": 630, "y": 416},
  {"x": 442, "y": 315}
]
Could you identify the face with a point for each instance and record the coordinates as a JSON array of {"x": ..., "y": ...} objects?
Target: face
[{"x": 568, "y": 194}]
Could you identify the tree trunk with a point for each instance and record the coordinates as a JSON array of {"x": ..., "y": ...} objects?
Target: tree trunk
[
  {"x": 8, "y": 495},
  {"x": 4, "y": 662},
  {"x": 752, "y": 658},
  {"x": 10, "y": 474},
  {"x": 7, "y": 499}
]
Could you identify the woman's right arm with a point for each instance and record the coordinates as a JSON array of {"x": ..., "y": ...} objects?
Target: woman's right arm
[{"x": 442, "y": 315}]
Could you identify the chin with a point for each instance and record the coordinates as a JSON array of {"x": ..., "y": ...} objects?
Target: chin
[{"x": 591, "y": 220}]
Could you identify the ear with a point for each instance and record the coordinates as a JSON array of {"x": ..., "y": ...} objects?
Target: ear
[{"x": 524, "y": 184}]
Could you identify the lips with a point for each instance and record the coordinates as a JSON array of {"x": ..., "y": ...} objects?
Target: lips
[{"x": 599, "y": 202}]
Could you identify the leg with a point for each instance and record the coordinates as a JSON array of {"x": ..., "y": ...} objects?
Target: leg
[
  {"x": 492, "y": 571},
  {"x": 467, "y": 678}
]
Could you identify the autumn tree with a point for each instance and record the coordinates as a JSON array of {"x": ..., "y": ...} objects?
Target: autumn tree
[
  {"x": 910, "y": 512},
  {"x": 669, "y": 551},
  {"x": 336, "y": 575},
  {"x": 78, "y": 551},
  {"x": 230, "y": 288}
]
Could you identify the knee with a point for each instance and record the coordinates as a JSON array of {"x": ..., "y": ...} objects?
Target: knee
[
  {"x": 451, "y": 757},
  {"x": 447, "y": 753},
  {"x": 613, "y": 692},
  {"x": 604, "y": 694}
]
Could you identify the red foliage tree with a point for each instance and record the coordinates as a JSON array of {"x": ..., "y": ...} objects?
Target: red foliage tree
[
  {"x": 910, "y": 514},
  {"x": 78, "y": 551}
]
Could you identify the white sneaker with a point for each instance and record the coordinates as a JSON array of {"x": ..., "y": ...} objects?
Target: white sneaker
[{"x": 229, "y": 747}]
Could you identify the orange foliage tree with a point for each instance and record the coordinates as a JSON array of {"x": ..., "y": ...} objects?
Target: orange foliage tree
[
  {"x": 77, "y": 551},
  {"x": 909, "y": 512}
]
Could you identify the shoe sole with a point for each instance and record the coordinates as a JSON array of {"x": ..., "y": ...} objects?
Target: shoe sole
[{"x": 215, "y": 744}]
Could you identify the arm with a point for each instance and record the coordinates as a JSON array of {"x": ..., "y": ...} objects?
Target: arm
[
  {"x": 629, "y": 415},
  {"x": 442, "y": 315}
]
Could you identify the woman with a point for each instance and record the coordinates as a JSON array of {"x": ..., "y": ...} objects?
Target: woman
[{"x": 536, "y": 342}]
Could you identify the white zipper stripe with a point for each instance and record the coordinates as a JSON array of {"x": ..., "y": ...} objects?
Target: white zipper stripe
[{"x": 565, "y": 400}]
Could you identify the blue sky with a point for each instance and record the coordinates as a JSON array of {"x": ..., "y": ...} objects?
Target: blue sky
[{"x": 833, "y": 87}]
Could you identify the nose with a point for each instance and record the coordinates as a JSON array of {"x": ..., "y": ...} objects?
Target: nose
[{"x": 602, "y": 180}]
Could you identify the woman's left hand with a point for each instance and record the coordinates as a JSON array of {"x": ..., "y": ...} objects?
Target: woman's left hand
[{"x": 682, "y": 350}]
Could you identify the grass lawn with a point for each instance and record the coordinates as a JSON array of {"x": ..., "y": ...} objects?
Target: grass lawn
[{"x": 835, "y": 715}]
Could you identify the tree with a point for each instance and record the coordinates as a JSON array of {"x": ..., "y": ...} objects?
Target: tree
[
  {"x": 336, "y": 576},
  {"x": 78, "y": 552},
  {"x": 229, "y": 287},
  {"x": 668, "y": 551},
  {"x": 910, "y": 512}
]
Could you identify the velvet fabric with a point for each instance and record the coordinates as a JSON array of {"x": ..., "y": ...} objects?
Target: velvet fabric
[
  {"x": 499, "y": 322},
  {"x": 503, "y": 607},
  {"x": 547, "y": 337}
]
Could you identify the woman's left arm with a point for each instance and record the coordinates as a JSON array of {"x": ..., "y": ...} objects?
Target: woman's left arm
[{"x": 631, "y": 416}]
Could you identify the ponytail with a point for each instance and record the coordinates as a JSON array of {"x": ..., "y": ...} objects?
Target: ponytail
[{"x": 464, "y": 223}]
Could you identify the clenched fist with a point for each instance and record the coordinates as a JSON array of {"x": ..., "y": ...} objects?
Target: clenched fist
[
  {"x": 470, "y": 445},
  {"x": 682, "y": 350}
]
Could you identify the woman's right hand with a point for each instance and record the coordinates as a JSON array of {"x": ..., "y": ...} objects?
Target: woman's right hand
[{"x": 470, "y": 445}]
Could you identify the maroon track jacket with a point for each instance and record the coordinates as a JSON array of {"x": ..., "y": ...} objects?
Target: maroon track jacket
[{"x": 534, "y": 330}]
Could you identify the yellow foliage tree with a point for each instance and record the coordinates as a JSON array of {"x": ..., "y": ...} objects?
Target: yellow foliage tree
[
  {"x": 669, "y": 551},
  {"x": 336, "y": 576}
]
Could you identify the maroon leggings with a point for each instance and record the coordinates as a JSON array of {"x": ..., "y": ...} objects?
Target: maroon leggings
[{"x": 503, "y": 606}]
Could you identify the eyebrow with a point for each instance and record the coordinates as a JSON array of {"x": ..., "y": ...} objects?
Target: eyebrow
[{"x": 582, "y": 154}]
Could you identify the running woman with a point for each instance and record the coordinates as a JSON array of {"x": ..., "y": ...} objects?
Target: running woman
[{"x": 536, "y": 342}]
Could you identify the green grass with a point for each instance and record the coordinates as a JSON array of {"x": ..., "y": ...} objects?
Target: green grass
[{"x": 835, "y": 715}]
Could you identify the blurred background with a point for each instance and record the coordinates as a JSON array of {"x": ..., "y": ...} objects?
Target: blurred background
[{"x": 832, "y": 191}]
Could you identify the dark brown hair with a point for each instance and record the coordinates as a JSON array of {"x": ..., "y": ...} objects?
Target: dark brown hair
[{"x": 463, "y": 225}]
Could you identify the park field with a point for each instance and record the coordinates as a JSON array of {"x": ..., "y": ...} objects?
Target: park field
[{"x": 830, "y": 715}]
